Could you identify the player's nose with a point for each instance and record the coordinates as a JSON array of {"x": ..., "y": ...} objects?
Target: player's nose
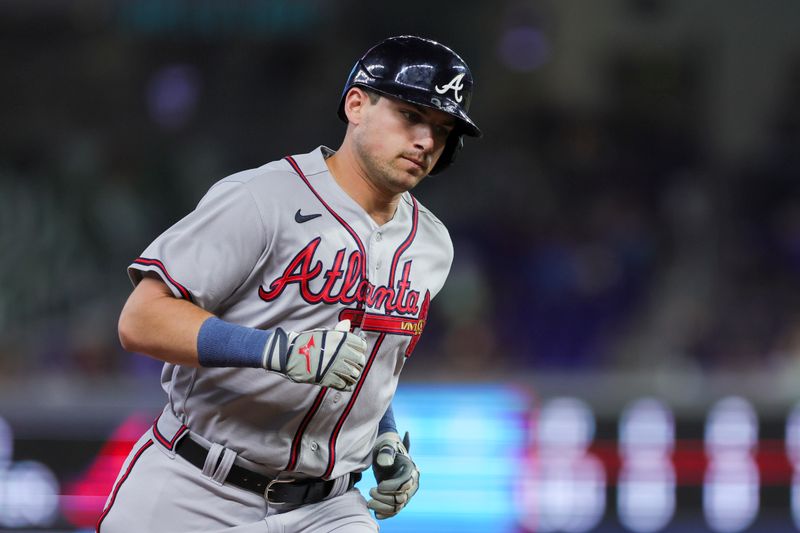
[{"x": 424, "y": 138}]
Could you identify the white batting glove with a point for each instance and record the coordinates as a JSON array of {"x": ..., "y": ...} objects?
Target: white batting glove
[
  {"x": 396, "y": 474},
  {"x": 329, "y": 357}
]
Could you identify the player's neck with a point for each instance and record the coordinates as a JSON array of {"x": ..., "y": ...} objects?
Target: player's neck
[{"x": 378, "y": 204}]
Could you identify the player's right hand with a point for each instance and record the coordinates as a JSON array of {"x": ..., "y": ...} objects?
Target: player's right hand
[{"x": 329, "y": 357}]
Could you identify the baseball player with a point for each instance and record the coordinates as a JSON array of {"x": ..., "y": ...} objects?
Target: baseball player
[{"x": 285, "y": 306}]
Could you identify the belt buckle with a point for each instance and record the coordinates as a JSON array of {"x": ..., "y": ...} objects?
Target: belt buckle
[{"x": 269, "y": 488}]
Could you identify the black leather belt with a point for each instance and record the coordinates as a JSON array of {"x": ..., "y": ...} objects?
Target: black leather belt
[{"x": 295, "y": 492}]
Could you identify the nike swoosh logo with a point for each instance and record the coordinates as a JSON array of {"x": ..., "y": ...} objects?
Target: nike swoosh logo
[{"x": 300, "y": 218}]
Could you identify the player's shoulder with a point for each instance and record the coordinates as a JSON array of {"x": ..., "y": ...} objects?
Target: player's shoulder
[
  {"x": 428, "y": 222},
  {"x": 278, "y": 176},
  {"x": 254, "y": 177}
]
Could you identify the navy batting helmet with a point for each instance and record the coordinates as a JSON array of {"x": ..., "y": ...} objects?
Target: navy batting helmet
[{"x": 423, "y": 72}]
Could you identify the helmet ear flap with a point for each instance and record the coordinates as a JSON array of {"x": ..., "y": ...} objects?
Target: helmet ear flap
[{"x": 454, "y": 145}]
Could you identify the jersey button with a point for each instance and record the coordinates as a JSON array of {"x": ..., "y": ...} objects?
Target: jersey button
[
  {"x": 314, "y": 446},
  {"x": 337, "y": 397},
  {"x": 378, "y": 265},
  {"x": 378, "y": 236}
]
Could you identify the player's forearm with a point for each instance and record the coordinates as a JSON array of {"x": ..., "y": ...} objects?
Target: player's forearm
[
  {"x": 170, "y": 329},
  {"x": 387, "y": 423},
  {"x": 155, "y": 323}
]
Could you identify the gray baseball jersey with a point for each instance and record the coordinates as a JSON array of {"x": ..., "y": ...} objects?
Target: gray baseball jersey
[{"x": 284, "y": 245}]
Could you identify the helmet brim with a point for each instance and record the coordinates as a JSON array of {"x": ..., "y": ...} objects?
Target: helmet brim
[{"x": 465, "y": 125}]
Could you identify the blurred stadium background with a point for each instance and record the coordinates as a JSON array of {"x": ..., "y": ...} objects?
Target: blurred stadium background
[{"x": 618, "y": 345}]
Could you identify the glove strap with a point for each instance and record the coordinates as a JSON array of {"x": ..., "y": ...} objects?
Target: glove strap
[
  {"x": 277, "y": 344},
  {"x": 392, "y": 439}
]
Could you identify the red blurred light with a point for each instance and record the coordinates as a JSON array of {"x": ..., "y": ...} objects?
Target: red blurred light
[{"x": 84, "y": 498}]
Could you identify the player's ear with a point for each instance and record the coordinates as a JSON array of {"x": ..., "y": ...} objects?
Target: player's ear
[{"x": 355, "y": 101}]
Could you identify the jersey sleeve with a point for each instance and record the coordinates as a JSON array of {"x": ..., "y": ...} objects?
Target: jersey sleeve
[{"x": 206, "y": 255}]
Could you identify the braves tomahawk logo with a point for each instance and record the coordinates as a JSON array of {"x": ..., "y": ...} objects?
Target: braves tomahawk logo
[{"x": 456, "y": 84}]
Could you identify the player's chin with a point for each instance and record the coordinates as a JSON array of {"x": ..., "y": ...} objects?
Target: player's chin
[
  {"x": 401, "y": 183},
  {"x": 408, "y": 180},
  {"x": 414, "y": 167}
]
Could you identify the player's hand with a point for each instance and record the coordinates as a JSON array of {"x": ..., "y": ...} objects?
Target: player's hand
[
  {"x": 328, "y": 357},
  {"x": 396, "y": 474}
]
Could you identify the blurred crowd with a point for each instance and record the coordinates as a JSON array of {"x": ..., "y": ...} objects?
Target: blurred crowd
[{"x": 609, "y": 238}]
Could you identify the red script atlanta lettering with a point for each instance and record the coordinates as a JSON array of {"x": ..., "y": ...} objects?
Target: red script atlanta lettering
[{"x": 342, "y": 283}]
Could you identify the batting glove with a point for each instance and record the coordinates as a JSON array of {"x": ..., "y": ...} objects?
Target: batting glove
[
  {"x": 396, "y": 474},
  {"x": 328, "y": 357}
]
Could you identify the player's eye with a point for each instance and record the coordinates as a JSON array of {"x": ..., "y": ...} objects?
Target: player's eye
[
  {"x": 411, "y": 116},
  {"x": 442, "y": 131}
]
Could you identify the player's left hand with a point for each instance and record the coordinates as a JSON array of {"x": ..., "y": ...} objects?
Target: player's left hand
[{"x": 396, "y": 474}]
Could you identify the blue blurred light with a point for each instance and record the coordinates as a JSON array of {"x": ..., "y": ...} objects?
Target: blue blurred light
[
  {"x": 172, "y": 95},
  {"x": 524, "y": 48},
  {"x": 468, "y": 442}
]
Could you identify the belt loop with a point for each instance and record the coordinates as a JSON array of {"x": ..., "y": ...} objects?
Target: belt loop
[
  {"x": 225, "y": 465},
  {"x": 342, "y": 485},
  {"x": 214, "y": 453}
]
